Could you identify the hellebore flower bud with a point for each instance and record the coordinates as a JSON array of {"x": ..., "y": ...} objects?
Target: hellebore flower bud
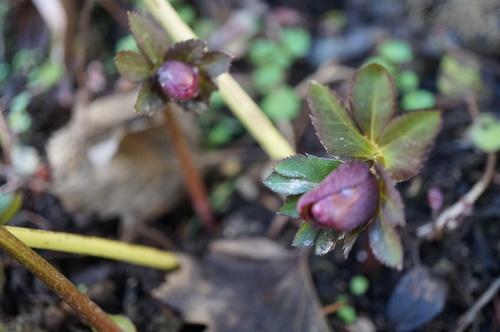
[
  {"x": 178, "y": 80},
  {"x": 347, "y": 198}
]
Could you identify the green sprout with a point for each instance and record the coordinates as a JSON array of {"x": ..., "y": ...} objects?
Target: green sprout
[{"x": 372, "y": 149}]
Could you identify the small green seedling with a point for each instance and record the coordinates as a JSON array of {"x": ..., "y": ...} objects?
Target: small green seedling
[
  {"x": 372, "y": 149},
  {"x": 485, "y": 132}
]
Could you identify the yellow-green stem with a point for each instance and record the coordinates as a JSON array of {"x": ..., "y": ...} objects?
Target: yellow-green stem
[
  {"x": 243, "y": 107},
  {"x": 93, "y": 246},
  {"x": 86, "y": 309}
]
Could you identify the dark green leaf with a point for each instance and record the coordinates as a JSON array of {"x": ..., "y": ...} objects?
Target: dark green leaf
[
  {"x": 148, "y": 100},
  {"x": 288, "y": 186},
  {"x": 405, "y": 142},
  {"x": 373, "y": 100},
  {"x": 190, "y": 51},
  {"x": 215, "y": 63},
  {"x": 152, "y": 41},
  {"x": 390, "y": 198},
  {"x": 133, "y": 66},
  {"x": 309, "y": 167},
  {"x": 9, "y": 206},
  {"x": 290, "y": 207},
  {"x": 334, "y": 126},
  {"x": 327, "y": 239},
  {"x": 351, "y": 237},
  {"x": 305, "y": 236},
  {"x": 385, "y": 243}
]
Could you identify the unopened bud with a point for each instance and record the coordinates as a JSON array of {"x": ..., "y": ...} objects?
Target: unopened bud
[
  {"x": 347, "y": 198},
  {"x": 178, "y": 80}
]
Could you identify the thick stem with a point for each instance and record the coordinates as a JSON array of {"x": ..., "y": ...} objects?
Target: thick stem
[
  {"x": 243, "y": 107},
  {"x": 93, "y": 246},
  {"x": 194, "y": 183},
  {"x": 86, "y": 309}
]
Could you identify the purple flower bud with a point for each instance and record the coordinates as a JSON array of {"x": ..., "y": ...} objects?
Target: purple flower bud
[
  {"x": 347, "y": 198},
  {"x": 178, "y": 80}
]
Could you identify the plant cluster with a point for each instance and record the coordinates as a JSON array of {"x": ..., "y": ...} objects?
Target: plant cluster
[{"x": 372, "y": 149}]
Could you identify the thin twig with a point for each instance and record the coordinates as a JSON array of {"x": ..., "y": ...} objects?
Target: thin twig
[
  {"x": 194, "y": 183},
  {"x": 450, "y": 217},
  {"x": 468, "y": 317},
  {"x": 88, "y": 310},
  {"x": 5, "y": 138}
]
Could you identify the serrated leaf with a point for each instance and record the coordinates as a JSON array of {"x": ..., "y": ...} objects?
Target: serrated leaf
[
  {"x": 215, "y": 63},
  {"x": 373, "y": 100},
  {"x": 405, "y": 142},
  {"x": 385, "y": 243},
  {"x": 391, "y": 202},
  {"x": 148, "y": 100},
  {"x": 334, "y": 126},
  {"x": 327, "y": 239},
  {"x": 190, "y": 51},
  {"x": 290, "y": 207},
  {"x": 9, "y": 206},
  {"x": 306, "y": 235},
  {"x": 133, "y": 66},
  {"x": 350, "y": 238},
  {"x": 417, "y": 298},
  {"x": 309, "y": 167},
  {"x": 151, "y": 40},
  {"x": 288, "y": 186}
]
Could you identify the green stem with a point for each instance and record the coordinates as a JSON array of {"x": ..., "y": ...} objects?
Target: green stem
[
  {"x": 93, "y": 246},
  {"x": 243, "y": 107},
  {"x": 86, "y": 309}
]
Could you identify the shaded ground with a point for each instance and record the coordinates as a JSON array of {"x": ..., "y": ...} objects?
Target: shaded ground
[{"x": 245, "y": 277}]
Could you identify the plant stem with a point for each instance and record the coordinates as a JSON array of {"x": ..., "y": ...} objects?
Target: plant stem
[
  {"x": 93, "y": 246},
  {"x": 243, "y": 107},
  {"x": 194, "y": 182},
  {"x": 86, "y": 309}
]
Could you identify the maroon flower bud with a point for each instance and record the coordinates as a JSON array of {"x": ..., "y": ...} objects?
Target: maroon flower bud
[
  {"x": 347, "y": 198},
  {"x": 178, "y": 80}
]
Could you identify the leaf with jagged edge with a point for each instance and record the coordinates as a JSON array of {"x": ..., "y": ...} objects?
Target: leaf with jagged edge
[
  {"x": 327, "y": 239},
  {"x": 405, "y": 142},
  {"x": 133, "y": 66},
  {"x": 290, "y": 207},
  {"x": 190, "y": 51},
  {"x": 298, "y": 174},
  {"x": 334, "y": 126},
  {"x": 305, "y": 236},
  {"x": 215, "y": 63},
  {"x": 373, "y": 101},
  {"x": 391, "y": 202},
  {"x": 351, "y": 237},
  {"x": 148, "y": 100},
  {"x": 151, "y": 40},
  {"x": 385, "y": 243}
]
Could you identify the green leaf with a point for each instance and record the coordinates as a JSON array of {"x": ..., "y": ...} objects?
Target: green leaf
[
  {"x": 405, "y": 142},
  {"x": 305, "y": 236},
  {"x": 190, "y": 51},
  {"x": 327, "y": 239},
  {"x": 485, "y": 132},
  {"x": 290, "y": 207},
  {"x": 215, "y": 63},
  {"x": 148, "y": 100},
  {"x": 385, "y": 243},
  {"x": 267, "y": 78},
  {"x": 281, "y": 104},
  {"x": 267, "y": 52},
  {"x": 133, "y": 66},
  {"x": 152, "y": 41},
  {"x": 373, "y": 100},
  {"x": 459, "y": 75},
  {"x": 335, "y": 128},
  {"x": 391, "y": 202},
  {"x": 309, "y": 167},
  {"x": 396, "y": 51},
  {"x": 9, "y": 206},
  {"x": 407, "y": 81},
  {"x": 288, "y": 186},
  {"x": 418, "y": 99}
]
